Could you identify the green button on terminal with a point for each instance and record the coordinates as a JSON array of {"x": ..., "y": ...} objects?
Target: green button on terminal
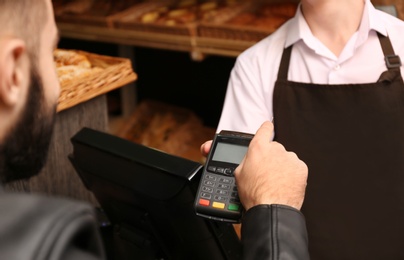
[{"x": 233, "y": 207}]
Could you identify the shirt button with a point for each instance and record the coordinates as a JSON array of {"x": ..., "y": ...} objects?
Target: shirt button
[{"x": 337, "y": 67}]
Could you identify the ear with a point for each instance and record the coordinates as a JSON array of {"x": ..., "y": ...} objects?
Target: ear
[{"x": 13, "y": 70}]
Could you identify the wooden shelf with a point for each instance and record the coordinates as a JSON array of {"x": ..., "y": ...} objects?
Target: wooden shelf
[
  {"x": 125, "y": 37},
  {"x": 198, "y": 47}
]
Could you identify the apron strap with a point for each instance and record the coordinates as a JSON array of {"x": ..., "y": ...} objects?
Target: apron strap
[
  {"x": 284, "y": 66},
  {"x": 393, "y": 61}
]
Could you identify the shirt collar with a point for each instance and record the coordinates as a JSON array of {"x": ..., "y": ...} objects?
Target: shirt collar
[
  {"x": 375, "y": 21},
  {"x": 295, "y": 31},
  {"x": 371, "y": 20}
]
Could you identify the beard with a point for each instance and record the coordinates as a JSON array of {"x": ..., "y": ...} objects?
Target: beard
[{"x": 25, "y": 148}]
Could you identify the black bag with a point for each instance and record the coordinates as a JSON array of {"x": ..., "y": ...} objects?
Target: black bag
[{"x": 34, "y": 227}]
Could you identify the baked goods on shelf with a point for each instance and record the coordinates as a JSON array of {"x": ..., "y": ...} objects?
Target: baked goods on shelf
[
  {"x": 179, "y": 17},
  {"x": 92, "y": 7},
  {"x": 73, "y": 6},
  {"x": 90, "y": 12},
  {"x": 185, "y": 11},
  {"x": 172, "y": 129},
  {"x": 253, "y": 23},
  {"x": 221, "y": 10}
]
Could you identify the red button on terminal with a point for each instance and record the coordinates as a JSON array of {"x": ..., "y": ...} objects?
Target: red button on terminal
[{"x": 204, "y": 202}]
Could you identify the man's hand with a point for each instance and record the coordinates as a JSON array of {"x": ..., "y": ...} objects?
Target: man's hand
[{"x": 268, "y": 173}]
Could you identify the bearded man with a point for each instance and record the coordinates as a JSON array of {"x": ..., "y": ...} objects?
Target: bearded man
[{"x": 33, "y": 226}]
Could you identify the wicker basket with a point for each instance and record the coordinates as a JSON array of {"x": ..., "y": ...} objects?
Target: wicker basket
[
  {"x": 115, "y": 73},
  {"x": 228, "y": 29}
]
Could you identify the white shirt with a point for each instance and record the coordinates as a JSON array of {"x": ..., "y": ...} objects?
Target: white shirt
[{"x": 248, "y": 101}]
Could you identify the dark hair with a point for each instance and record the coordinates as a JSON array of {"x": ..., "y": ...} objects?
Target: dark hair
[{"x": 26, "y": 20}]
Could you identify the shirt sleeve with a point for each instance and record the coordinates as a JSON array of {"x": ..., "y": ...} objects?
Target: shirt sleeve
[{"x": 245, "y": 107}]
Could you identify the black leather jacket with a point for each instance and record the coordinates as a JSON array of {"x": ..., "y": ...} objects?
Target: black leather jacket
[
  {"x": 274, "y": 232},
  {"x": 42, "y": 228}
]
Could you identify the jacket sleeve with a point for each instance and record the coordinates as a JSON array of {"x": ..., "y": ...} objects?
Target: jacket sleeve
[
  {"x": 274, "y": 232},
  {"x": 43, "y": 228}
]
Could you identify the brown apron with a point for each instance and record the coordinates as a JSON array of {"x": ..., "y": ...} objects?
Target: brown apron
[{"x": 352, "y": 138}]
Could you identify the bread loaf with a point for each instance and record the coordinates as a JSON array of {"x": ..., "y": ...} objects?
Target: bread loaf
[{"x": 71, "y": 64}]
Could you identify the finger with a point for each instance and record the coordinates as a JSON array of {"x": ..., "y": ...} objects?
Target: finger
[
  {"x": 238, "y": 168},
  {"x": 205, "y": 148},
  {"x": 265, "y": 132}
]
